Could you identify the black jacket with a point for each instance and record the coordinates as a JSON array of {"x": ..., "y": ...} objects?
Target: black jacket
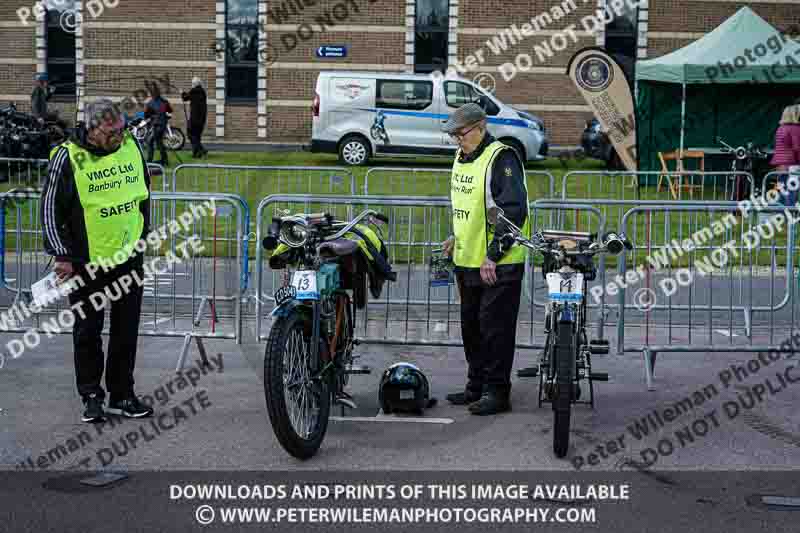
[
  {"x": 60, "y": 209},
  {"x": 508, "y": 193},
  {"x": 39, "y": 98},
  {"x": 198, "y": 107}
]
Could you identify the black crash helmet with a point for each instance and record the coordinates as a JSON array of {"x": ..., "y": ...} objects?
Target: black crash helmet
[{"x": 404, "y": 388}]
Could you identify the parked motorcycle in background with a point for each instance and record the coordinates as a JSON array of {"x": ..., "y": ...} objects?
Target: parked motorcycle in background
[
  {"x": 22, "y": 136},
  {"x": 745, "y": 160},
  {"x": 596, "y": 144},
  {"x": 142, "y": 129}
]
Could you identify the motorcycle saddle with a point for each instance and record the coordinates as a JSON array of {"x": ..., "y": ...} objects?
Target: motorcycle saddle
[{"x": 338, "y": 247}]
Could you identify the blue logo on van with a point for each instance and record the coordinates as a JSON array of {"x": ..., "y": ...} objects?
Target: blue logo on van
[{"x": 378, "y": 131}]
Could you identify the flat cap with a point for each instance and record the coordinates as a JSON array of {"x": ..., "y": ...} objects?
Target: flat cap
[{"x": 466, "y": 115}]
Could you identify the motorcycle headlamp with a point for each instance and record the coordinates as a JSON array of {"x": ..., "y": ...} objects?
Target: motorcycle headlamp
[
  {"x": 614, "y": 243},
  {"x": 294, "y": 233}
]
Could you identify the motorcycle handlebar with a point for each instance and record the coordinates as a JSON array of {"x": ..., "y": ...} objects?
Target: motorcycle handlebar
[
  {"x": 611, "y": 243},
  {"x": 272, "y": 240}
]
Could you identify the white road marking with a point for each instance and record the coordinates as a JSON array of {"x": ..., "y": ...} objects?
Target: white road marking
[
  {"x": 389, "y": 418},
  {"x": 726, "y": 332},
  {"x": 440, "y": 327}
]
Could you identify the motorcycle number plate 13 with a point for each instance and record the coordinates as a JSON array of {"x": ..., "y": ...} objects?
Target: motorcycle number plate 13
[
  {"x": 565, "y": 288},
  {"x": 305, "y": 283}
]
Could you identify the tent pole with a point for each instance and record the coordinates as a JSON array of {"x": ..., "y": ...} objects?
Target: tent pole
[{"x": 683, "y": 125}]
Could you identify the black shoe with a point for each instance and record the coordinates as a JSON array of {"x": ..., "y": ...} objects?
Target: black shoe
[
  {"x": 94, "y": 409},
  {"x": 465, "y": 397},
  {"x": 132, "y": 408},
  {"x": 530, "y": 372},
  {"x": 491, "y": 403}
]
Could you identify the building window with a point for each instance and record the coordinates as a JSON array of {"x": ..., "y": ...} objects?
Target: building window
[
  {"x": 404, "y": 94},
  {"x": 241, "y": 58},
  {"x": 61, "y": 47},
  {"x": 622, "y": 38},
  {"x": 430, "y": 38}
]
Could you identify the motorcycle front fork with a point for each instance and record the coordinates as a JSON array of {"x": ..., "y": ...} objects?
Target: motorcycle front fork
[{"x": 547, "y": 379}]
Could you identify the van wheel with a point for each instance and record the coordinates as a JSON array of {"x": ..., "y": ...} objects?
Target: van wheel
[
  {"x": 516, "y": 145},
  {"x": 354, "y": 150}
]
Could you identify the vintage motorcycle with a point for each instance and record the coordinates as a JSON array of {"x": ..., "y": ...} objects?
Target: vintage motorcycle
[
  {"x": 309, "y": 353},
  {"x": 566, "y": 359},
  {"x": 596, "y": 144},
  {"x": 21, "y": 135},
  {"x": 745, "y": 159},
  {"x": 142, "y": 129}
]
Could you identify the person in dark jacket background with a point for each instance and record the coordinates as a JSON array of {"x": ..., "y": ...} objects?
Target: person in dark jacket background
[
  {"x": 94, "y": 208},
  {"x": 156, "y": 110},
  {"x": 42, "y": 92},
  {"x": 198, "y": 112}
]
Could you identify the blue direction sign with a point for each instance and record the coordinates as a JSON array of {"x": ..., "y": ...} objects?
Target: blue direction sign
[{"x": 332, "y": 51}]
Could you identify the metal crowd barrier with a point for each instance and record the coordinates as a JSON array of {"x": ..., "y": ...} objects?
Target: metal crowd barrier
[
  {"x": 177, "y": 300},
  {"x": 20, "y": 172},
  {"x": 718, "y": 289},
  {"x": 770, "y": 182},
  {"x": 409, "y": 311},
  {"x": 600, "y": 185},
  {"x": 403, "y": 181}
]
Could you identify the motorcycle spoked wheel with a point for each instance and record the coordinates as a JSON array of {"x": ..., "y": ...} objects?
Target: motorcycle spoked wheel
[
  {"x": 298, "y": 407},
  {"x": 175, "y": 141},
  {"x": 565, "y": 352}
]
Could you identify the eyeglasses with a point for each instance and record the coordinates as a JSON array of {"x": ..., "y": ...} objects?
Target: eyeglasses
[
  {"x": 462, "y": 134},
  {"x": 112, "y": 126}
]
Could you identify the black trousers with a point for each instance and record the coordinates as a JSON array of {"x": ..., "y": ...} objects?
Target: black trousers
[
  {"x": 157, "y": 141},
  {"x": 489, "y": 331},
  {"x": 123, "y": 334},
  {"x": 195, "y": 134}
]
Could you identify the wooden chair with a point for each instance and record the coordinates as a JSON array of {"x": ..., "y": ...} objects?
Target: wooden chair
[{"x": 676, "y": 181}]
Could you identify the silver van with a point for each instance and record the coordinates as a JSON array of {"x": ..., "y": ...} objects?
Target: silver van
[{"x": 360, "y": 115}]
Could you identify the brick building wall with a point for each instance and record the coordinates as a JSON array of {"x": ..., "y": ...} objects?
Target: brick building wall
[
  {"x": 18, "y": 61},
  {"x": 117, "y": 49}
]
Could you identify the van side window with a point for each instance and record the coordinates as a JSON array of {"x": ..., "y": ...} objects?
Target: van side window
[
  {"x": 458, "y": 94},
  {"x": 392, "y": 94}
]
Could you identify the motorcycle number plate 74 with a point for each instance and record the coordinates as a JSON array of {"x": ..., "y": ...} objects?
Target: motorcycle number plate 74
[{"x": 565, "y": 288}]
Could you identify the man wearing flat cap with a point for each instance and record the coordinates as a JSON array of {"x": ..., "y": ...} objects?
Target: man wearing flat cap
[
  {"x": 94, "y": 208},
  {"x": 487, "y": 174}
]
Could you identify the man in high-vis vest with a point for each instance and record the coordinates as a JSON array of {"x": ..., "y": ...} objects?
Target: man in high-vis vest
[
  {"x": 94, "y": 208},
  {"x": 487, "y": 174}
]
